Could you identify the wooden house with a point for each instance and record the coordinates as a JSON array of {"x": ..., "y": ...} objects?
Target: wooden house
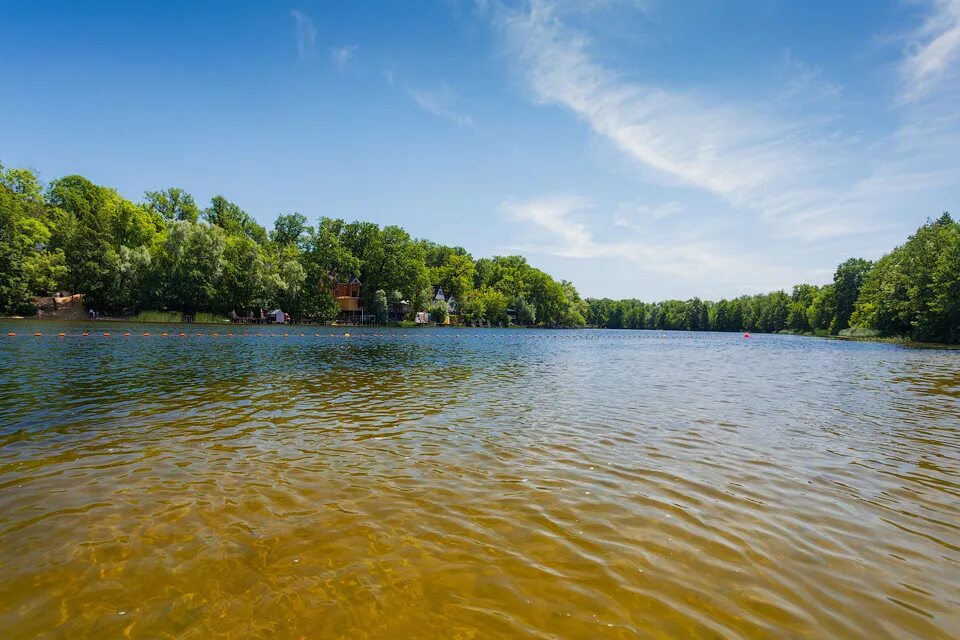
[{"x": 347, "y": 295}]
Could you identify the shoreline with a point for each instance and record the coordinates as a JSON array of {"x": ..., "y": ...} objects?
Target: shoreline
[{"x": 890, "y": 340}]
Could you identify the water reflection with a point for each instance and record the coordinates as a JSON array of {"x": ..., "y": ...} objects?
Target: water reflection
[{"x": 464, "y": 483}]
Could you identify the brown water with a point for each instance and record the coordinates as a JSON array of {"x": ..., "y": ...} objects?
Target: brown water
[{"x": 476, "y": 484}]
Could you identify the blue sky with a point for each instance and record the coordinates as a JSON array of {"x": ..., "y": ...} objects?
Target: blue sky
[{"x": 641, "y": 148}]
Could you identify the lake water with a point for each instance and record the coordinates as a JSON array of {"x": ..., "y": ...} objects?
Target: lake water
[{"x": 462, "y": 483}]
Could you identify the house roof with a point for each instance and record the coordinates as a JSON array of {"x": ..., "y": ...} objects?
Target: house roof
[{"x": 337, "y": 280}]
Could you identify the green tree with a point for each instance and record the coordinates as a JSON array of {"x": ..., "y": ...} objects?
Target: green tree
[
  {"x": 379, "y": 306},
  {"x": 847, "y": 281},
  {"x": 173, "y": 204},
  {"x": 194, "y": 264},
  {"x": 822, "y": 309},
  {"x": 912, "y": 290},
  {"x": 800, "y": 301},
  {"x": 494, "y": 306},
  {"x": 242, "y": 285},
  {"x": 438, "y": 312},
  {"x": 526, "y": 313},
  {"x": 289, "y": 229},
  {"x": 85, "y": 236},
  {"x": 234, "y": 220}
]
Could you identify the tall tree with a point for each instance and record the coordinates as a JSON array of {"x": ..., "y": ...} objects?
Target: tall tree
[
  {"x": 173, "y": 204},
  {"x": 847, "y": 281}
]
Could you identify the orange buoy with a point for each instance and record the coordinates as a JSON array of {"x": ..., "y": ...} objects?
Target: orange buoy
[
  {"x": 182, "y": 335},
  {"x": 61, "y": 335},
  {"x": 84, "y": 334},
  {"x": 146, "y": 334},
  {"x": 214, "y": 335},
  {"x": 38, "y": 333},
  {"x": 11, "y": 334},
  {"x": 126, "y": 334},
  {"x": 106, "y": 335},
  {"x": 200, "y": 335},
  {"x": 164, "y": 334}
]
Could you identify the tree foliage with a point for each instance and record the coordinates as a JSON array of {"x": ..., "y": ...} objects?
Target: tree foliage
[
  {"x": 913, "y": 291},
  {"x": 165, "y": 253}
]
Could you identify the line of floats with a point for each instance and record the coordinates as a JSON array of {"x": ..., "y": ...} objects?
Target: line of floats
[{"x": 181, "y": 334}]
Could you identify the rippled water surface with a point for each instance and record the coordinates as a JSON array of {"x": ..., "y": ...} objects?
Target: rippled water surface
[{"x": 475, "y": 484}]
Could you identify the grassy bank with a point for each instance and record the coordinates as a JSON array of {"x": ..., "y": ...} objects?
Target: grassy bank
[{"x": 176, "y": 317}]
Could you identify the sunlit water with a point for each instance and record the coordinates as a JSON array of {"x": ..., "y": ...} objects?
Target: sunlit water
[{"x": 475, "y": 484}]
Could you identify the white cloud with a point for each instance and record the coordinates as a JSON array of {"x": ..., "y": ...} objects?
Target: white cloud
[
  {"x": 306, "y": 32},
  {"x": 934, "y": 50},
  {"x": 637, "y": 216},
  {"x": 805, "y": 83},
  {"x": 801, "y": 178},
  {"x": 742, "y": 154},
  {"x": 689, "y": 258},
  {"x": 342, "y": 55},
  {"x": 757, "y": 195},
  {"x": 439, "y": 102},
  {"x": 555, "y": 215}
]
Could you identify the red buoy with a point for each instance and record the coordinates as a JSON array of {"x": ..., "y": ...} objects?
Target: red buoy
[{"x": 746, "y": 335}]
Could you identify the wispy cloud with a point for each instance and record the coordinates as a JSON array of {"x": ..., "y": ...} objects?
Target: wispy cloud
[
  {"x": 638, "y": 216},
  {"x": 793, "y": 173},
  {"x": 562, "y": 218},
  {"x": 342, "y": 55},
  {"x": 731, "y": 151},
  {"x": 306, "y": 32},
  {"x": 439, "y": 102},
  {"x": 755, "y": 191},
  {"x": 934, "y": 50},
  {"x": 555, "y": 215},
  {"x": 805, "y": 82}
]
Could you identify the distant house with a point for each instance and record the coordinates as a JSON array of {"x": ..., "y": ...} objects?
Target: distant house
[
  {"x": 439, "y": 296},
  {"x": 347, "y": 295},
  {"x": 398, "y": 310}
]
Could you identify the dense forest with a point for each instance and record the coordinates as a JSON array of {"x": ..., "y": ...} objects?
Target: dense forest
[
  {"x": 913, "y": 292},
  {"x": 167, "y": 252}
]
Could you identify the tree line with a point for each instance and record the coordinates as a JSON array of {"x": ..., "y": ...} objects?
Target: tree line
[
  {"x": 913, "y": 291},
  {"x": 169, "y": 253}
]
